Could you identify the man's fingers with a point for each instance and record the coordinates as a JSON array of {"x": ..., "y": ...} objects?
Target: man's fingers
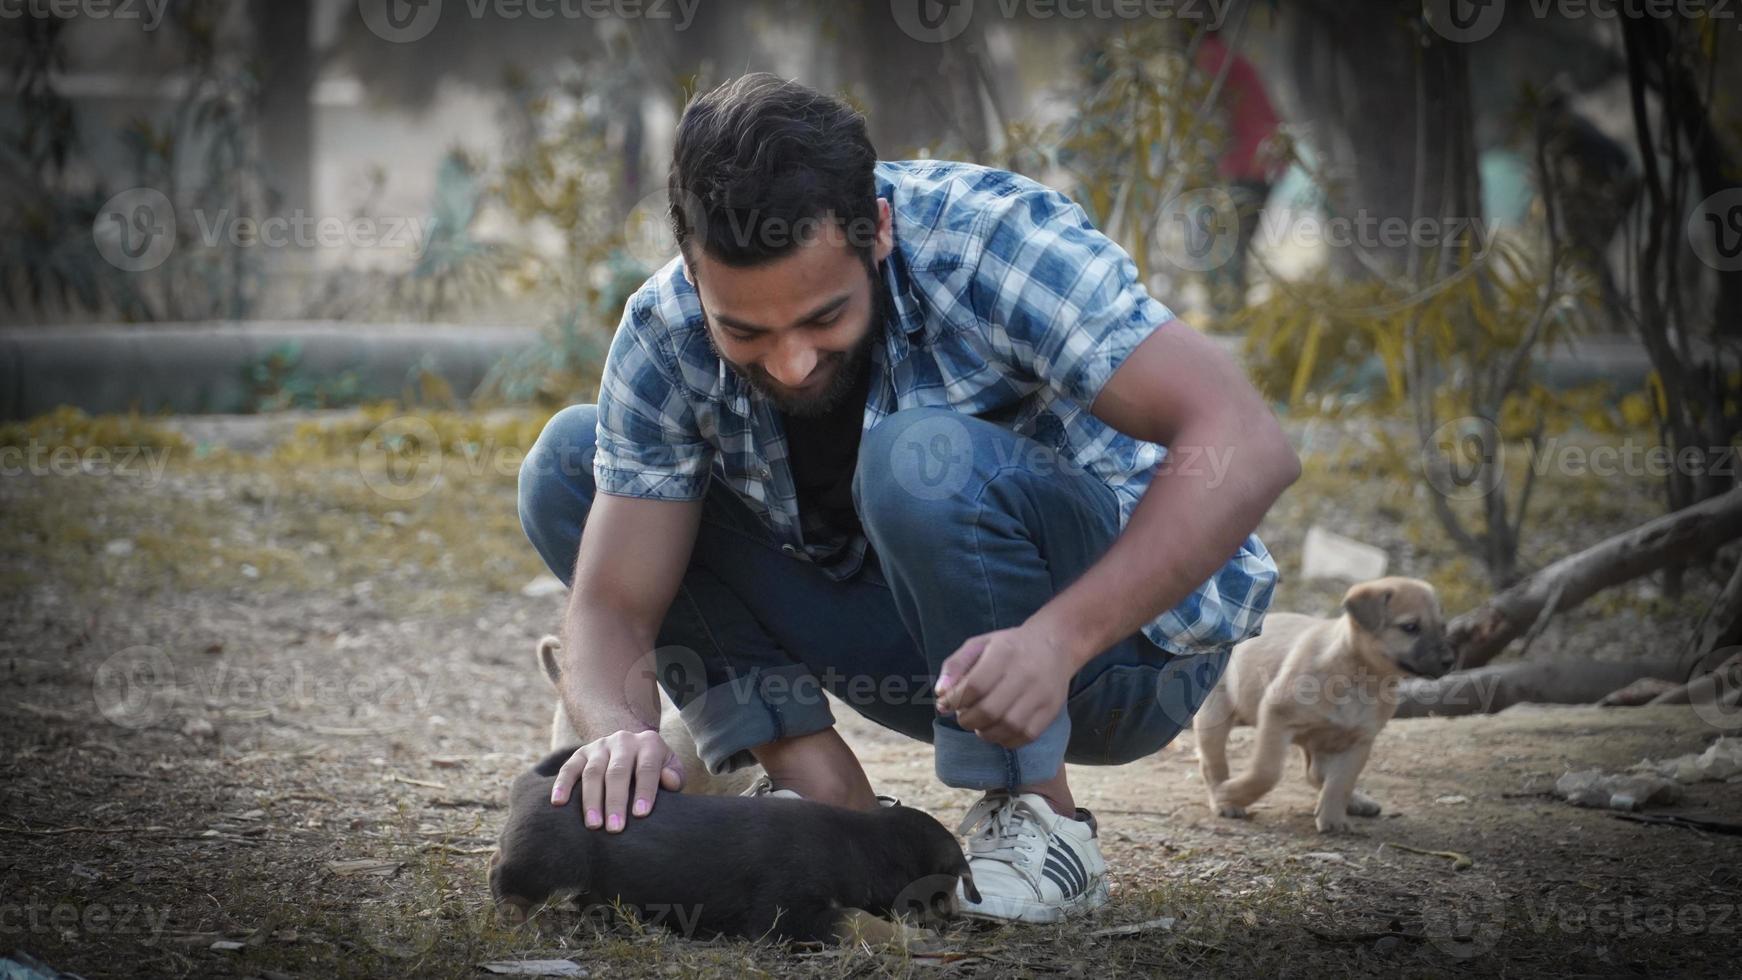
[
  {"x": 954, "y": 669},
  {"x": 593, "y": 786},
  {"x": 987, "y": 711},
  {"x": 647, "y": 777},
  {"x": 618, "y": 773},
  {"x": 671, "y": 778},
  {"x": 566, "y": 777}
]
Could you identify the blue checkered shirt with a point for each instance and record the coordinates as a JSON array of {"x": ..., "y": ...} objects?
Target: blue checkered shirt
[{"x": 1007, "y": 304}]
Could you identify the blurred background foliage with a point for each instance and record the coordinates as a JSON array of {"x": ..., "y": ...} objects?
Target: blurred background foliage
[{"x": 527, "y": 158}]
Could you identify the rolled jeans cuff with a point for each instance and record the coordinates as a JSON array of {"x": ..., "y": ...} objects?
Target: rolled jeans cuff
[
  {"x": 764, "y": 704},
  {"x": 967, "y": 761}
]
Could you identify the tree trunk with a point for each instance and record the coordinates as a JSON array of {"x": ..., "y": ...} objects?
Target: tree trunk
[{"x": 1481, "y": 633}]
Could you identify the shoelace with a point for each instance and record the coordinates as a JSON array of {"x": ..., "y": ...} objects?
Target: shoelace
[{"x": 1003, "y": 819}]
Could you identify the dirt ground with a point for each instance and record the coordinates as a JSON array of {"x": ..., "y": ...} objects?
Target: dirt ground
[{"x": 262, "y": 711}]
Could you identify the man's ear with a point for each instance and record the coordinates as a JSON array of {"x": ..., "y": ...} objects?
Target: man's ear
[
  {"x": 885, "y": 231},
  {"x": 1367, "y": 605}
]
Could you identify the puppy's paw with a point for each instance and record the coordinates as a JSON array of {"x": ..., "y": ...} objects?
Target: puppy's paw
[
  {"x": 1231, "y": 811},
  {"x": 1332, "y": 825},
  {"x": 1362, "y": 805}
]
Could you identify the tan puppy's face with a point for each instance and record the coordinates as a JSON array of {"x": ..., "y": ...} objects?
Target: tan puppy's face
[{"x": 1401, "y": 622}]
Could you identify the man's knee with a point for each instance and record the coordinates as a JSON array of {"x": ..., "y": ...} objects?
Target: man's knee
[
  {"x": 913, "y": 463},
  {"x": 557, "y": 474}
]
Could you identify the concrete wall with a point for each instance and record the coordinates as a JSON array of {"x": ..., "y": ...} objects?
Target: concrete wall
[{"x": 202, "y": 367}]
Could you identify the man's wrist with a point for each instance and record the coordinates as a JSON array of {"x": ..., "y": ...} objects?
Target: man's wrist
[{"x": 1074, "y": 640}]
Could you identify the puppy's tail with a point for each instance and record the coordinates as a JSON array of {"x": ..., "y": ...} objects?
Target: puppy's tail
[{"x": 548, "y": 648}]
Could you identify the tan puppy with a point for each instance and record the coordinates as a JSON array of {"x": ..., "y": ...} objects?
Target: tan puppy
[
  {"x": 696, "y": 778},
  {"x": 1326, "y": 685}
]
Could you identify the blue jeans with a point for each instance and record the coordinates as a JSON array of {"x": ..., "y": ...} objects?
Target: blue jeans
[{"x": 754, "y": 636}]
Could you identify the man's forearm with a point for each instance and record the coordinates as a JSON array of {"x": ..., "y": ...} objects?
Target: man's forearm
[
  {"x": 1212, "y": 491},
  {"x": 608, "y": 672}
]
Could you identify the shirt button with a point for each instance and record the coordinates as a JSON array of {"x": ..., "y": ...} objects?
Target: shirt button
[
  {"x": 789, "y": 549},
  {"x": 763, "y": 472}
]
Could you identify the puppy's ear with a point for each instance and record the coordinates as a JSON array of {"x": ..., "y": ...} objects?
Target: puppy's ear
[
  {"x": 547, "y": 651},
  {"x": 1367, "y": 605}
]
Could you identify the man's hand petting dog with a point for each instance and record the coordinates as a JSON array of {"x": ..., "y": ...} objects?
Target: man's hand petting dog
[
  {"x": 610, "y": 770},
  {"x": 1006, "y": 686}
]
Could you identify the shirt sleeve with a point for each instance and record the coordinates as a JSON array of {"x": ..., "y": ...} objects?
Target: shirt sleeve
[
  {"x": 648, "y": 442},
  {"x": 1059, "y": 301}
]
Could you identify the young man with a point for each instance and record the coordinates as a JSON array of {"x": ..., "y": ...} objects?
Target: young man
[{"x": 886, "y": 428}]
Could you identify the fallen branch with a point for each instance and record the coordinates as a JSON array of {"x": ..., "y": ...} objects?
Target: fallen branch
[
  {"x": 1496, "y": 687},
  {"x": 1480, "y": 634}
]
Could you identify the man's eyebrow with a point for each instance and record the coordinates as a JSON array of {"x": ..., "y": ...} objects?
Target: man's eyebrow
[{"x": 824, "y": 309}]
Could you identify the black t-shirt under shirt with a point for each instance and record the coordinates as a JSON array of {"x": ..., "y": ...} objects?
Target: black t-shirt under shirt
[{"x": 823, "y": 450}]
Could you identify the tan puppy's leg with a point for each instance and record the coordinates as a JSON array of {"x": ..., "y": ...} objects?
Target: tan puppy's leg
[
  {"x": 562, "y": 731},
  {"x": 1211, "y": 725},
  {"x": 1360, "y": 804},
  {"x": 1234, "y": 796},
  {"x": 1338, "y": 794}
]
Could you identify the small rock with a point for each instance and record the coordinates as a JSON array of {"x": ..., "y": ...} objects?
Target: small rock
[
  {"x": 1386, "y": 944},
  {"x": 120, "y": 547},
  {"x": 249, "y": 571},
  {"x": 544, "y": 585},
  {"x": 1453, "y": 800},
  {"x": 199, "y": 728},
  {"x": 1326, "y": 554}
]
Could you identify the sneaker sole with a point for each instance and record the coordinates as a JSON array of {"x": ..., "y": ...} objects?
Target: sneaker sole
[{"x": 995, "y": 909}]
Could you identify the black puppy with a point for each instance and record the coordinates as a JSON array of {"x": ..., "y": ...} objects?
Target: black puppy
[{"x": 749, "y": 867}]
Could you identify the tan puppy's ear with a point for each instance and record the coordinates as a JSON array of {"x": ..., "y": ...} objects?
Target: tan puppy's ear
[
  {"x": 547, "y": 651},
  {"x": 1367, "y": 605}
]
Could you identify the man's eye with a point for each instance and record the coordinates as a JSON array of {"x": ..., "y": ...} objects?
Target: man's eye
[{"x": 739, "y": 335}]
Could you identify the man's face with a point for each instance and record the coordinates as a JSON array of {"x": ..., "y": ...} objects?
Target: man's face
[{"x": 800, "y": 327}]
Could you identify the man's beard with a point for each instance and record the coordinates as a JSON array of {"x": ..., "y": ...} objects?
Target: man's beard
[{"x": 850, "y": 365}]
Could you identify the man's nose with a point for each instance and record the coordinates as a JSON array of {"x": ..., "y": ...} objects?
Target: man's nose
[{"x": 792, "y": 363}]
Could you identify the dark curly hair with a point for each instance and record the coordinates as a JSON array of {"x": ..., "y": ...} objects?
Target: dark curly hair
[{"x": 760, "y": 162}]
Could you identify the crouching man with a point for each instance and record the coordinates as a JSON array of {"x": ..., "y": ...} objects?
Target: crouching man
[{"x": 893, "y": 429}]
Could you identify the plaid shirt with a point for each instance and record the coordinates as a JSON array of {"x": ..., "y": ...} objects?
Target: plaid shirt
[{"x": 1007, "y": 305}]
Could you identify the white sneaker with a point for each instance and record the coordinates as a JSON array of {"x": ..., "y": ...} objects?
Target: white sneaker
[{"x": 1030, "y": 864}]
